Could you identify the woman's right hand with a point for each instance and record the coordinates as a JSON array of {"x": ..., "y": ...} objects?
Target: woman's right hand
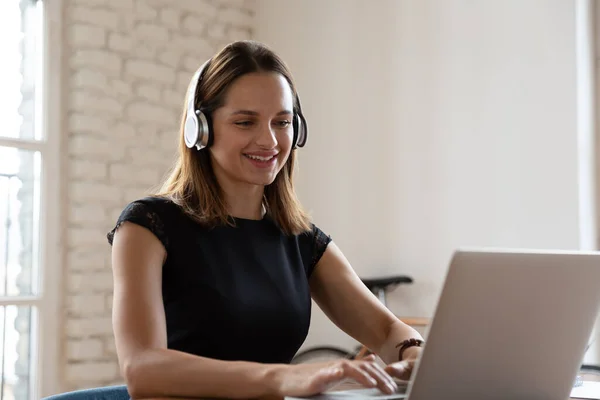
[{"x": 310, "y": 379}]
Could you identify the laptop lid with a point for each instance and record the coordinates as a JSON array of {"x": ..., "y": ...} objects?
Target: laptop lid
[{"x": 509, "y": 325}]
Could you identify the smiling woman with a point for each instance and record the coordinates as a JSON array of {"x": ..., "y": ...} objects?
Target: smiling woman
[
  {"x": 214, "y": 274},
  {"x": 246, "y": 124}
]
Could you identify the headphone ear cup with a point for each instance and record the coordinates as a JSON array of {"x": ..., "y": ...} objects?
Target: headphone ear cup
[
  {"x": 191, "y": 130},
  {"x": 296, "y": 127},
  {"x": 300, "y": 131},
  {"x": 202, "y": 136}
]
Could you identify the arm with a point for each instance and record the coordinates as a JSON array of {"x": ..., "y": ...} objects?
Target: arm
[
  {"x": 350, "y": 305},
  {"x": 149, "y": 368}
]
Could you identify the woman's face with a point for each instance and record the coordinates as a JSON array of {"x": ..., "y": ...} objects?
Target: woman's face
[{"x": 253, "y": 129}]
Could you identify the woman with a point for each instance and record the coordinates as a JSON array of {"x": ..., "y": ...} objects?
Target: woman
[{"x": 213, "y": 275}]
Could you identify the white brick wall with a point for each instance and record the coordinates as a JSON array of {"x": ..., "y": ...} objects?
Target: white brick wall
[{"x": 129, "y": 63}]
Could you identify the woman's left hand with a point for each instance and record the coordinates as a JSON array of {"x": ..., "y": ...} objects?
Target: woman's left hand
[{"x": 403, "y": 369}]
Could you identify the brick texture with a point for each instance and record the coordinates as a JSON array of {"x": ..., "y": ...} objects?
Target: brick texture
[{"x": 129, "y": 63}]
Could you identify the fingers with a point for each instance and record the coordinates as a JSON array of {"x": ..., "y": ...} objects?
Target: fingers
[
  {"x": 352, "y": 370},
  {"x": 401, "y": 370},
  {"x": 365, "y": 372},
  {"x": 369, "y": 374},
  {"x": 385, "y": 382},
  {"x": 328, "y": 377}
]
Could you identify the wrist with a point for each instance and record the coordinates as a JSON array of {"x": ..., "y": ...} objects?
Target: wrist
[
  {"x": 411, "y": 353},
  {"x": 406, "y": 345},
  {"x": 273, "y": 381}
]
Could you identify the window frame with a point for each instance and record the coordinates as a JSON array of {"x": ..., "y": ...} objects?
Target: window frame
[
  {"x": 50, "y": 360},
  {"x": 47, "y": 360}
]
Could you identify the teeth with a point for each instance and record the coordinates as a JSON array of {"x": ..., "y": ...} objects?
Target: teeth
[{"x": 259, "y": 158}]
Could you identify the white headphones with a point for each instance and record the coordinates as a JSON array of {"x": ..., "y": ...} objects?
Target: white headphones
[{"x": 197, "y": 131}]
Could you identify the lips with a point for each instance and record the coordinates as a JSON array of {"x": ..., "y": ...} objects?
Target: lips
[
  {"x": 260, "y": 158},
  {"x": 263, "y": 159}
]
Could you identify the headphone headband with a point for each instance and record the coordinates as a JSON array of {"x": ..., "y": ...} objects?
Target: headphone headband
[{"x": 193, "y": 88}]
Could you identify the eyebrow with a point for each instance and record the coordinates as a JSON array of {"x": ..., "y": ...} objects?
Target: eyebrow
[{"x": 254, "y": 113}]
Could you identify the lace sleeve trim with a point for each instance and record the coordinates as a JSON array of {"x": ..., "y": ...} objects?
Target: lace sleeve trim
[
  {"x": 141, "y": 214},
  {"x": 320, "y": 243}
]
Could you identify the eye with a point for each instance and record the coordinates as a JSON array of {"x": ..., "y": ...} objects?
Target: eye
[
  {"x": 243, "y": 123},
  {"x": 284, "y": 124}
]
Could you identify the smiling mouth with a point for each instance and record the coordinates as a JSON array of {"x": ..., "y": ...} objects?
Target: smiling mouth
[{"x": 260, "y": 158}]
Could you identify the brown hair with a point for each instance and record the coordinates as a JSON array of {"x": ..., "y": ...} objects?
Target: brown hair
[{"x": 192, "y": 183}]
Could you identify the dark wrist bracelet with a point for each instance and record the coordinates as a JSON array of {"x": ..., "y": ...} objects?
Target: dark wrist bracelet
[{"x": 405, "y": 344}]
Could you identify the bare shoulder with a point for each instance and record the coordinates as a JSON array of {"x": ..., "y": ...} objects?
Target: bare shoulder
[{"x": 135, "y": 244}]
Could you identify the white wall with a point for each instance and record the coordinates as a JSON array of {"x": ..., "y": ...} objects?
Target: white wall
[{"x": 433, "y": 125}]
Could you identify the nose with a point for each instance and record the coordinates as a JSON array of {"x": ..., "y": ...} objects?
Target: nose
[{"x": 266, "y": 137}]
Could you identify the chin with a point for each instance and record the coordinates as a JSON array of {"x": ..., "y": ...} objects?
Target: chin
[
  {"x": 261, "y": 181},
  {"x": 264, "y": 182}
]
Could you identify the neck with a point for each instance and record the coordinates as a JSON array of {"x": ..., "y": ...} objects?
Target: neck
[
  {"x": 243, "y": 200},
  {"x": 247, "y": 204}
]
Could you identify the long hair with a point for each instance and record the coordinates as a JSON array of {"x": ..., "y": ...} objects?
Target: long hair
[{"x": 192, "y": 183}]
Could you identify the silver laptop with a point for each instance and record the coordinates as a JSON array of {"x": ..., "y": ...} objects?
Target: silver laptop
[{"x": 508, "y": 325}]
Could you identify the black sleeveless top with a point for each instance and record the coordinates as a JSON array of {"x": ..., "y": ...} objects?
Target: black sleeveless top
[{"x": 231, "y": 293}]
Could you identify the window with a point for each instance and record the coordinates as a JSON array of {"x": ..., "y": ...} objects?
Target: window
[{"x": 28, "y": 159}]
